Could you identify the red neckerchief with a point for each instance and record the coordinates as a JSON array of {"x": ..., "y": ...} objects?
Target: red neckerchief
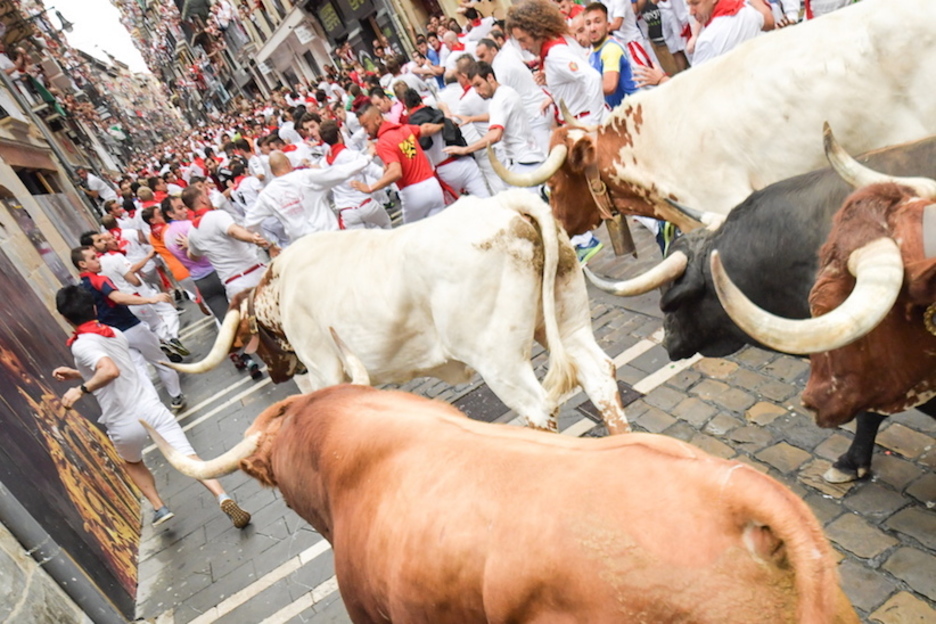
[
  {"x": 122, "y": 244},
  {"x": 475, "y": 23},
  {"x": 97, "y": 282},
  {"x": 726, "y": 8},
  {"x": 156, "y": 229},
  {"x": 181, "y": 182},
  {"x": 465, "y": 91},
  {"x": 90, "y": 327},
  {"x": 289, "y": 148},
  {"x": 333, "y": 152},
  {"x": 458, "y": 47},
  {"x": 238, "y": 180},
  {"x": 120, "y": 251},
  {"x": 549, "y": 45},
  {"x": 158, "y": 196}
]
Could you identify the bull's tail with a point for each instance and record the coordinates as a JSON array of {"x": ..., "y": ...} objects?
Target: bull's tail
[
  {"x": 561, "y": 378},
  {"x": 779, "y": 529}
]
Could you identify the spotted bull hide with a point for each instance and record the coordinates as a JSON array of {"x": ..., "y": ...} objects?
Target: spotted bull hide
[
  {"x": 438, "y": 519},
  {"x": 714, "y": 134}
]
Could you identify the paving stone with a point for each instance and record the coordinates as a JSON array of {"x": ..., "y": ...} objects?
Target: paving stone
[
  {"x": 894, "y": 470},
  {"x": 786, "y": 368},
  {"x": 903, "y": 440},
  {"x": 917, "y": 420},
  {"x": 753, "y": 463},
  {"x": 858, "y": 537},
  {"x": 751, "y": 437},
  {"x": 716, "y": 368},
  {"x": 754, "y": 357},
  {"x": 711, "y": 445},
  {"x": 694, "y": 411},
  {"x": 654, "y": 359},
  {"x": 904, "y": 608},
  {"x": 916, "y": 568},
  {"x": 653, "y": 420},
  {"x": 873, "y": 501},
  {"x": 924, "y": 489},
  {"x": 811, "y": 475},
  {"x": 708, "y": 389},
  {"x": 748, "y": 380},
  {"x": 722, "y": 424},
  {"x": 920, "y": 524},
  {"x": 777, "y": 390},
  {"x": 664, "y": 398},
  {"x": 735, "y": 400},
  {"x": 825, "y": 507},
  {"x": 865, "y": 588},
  {"x": 764, "y": 413},
  {"x": 681, "y": 431},
  {"x": 630, "y": 375},
  {"x": 784, "y": 457},
  {"x": 799, "y": 430},
  {"x": 833, "y": 447},
  {"x": 684, "y": 379}
]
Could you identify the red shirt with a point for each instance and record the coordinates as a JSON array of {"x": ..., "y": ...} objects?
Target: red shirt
[{"x": 397, "y": 143}]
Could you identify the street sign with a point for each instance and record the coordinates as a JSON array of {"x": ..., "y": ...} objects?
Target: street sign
[{"x": 304, "y": 33}]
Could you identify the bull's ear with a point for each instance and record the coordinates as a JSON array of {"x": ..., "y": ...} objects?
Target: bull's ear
[
  {"x": 686, "y": 288},
  {"x": 258, "y": 467},
  {"x": 584, "y": 153},
  {"x": 921, "y": 281}
]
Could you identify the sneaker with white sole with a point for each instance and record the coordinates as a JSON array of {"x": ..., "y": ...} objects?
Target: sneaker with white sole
[
  {"x": 177, "y": 403},
  {"x": 586, "y": 252},
  {"x": 179, "y": 347},
  {"x": 239, "y": 517},
  {"x": 162, "y": 514}
]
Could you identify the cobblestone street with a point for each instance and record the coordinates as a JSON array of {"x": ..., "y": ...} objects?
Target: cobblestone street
[{"x": 197, "y": 568}]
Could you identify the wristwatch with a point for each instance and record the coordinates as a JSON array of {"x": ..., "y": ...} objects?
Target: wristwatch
[{"x": 84, "y": 389}]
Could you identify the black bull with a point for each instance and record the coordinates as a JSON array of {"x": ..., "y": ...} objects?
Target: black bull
[{"x": 769, "y": 245}]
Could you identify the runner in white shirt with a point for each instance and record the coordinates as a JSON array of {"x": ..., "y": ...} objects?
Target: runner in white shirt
[
  {"x": 639, "y": 50},
  {"x": 509, "y": 128},
  {"x": 457, "y": 48},
  {"x": 106, "y": 369},
  {"x": 480, "y": 26},
  {"x": 96, "y": 187},
  {"x": 511, "y": 71},
  {"x": 298, "y": 198},
  {"x": 471, "y": 113},
  {"x": 725, "y": 28},
  {"x": 161, "y": 317},
  {"x": 356, "y": 210}
]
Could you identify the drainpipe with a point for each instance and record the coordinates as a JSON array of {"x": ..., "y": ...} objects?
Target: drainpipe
[{"x": 56, "y": 562}]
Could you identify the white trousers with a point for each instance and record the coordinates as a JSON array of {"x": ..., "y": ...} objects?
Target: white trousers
[
  {"x": 144, "y": 347},
  {"x": 463, "y": 174},
  {"x": 421, "y": 200},
  {"x": 369, "y": 215}
]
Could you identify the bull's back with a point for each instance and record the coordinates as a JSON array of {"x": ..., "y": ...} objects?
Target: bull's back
[{"x": 520, "y": 521}]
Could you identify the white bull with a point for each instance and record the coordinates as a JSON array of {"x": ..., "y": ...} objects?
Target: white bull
[
  {"x": 470, "y": 288},
  {"x": 714, "y": 134}
]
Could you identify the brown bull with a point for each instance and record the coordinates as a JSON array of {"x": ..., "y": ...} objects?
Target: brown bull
[{"x": 439, "y": 519}]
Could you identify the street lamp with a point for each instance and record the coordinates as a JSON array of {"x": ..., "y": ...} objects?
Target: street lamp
[{"x": 66, "y": 25}]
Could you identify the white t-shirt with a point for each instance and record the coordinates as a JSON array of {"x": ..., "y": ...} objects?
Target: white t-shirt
[
  {"x": 115, "y": 266},
  {"x": 725, "y": 32},
  {"x": 136, "y": 250},
  {"x": 227, "y": 255},
  {"x": 452, "y": 59},
  {"x": 298, "y": 199},
  {"x": 127, "y": 396},
  {"x": 343, "y": 194},
  {"x": 572, "y": 80},
  {"x": 481, "y": 30},
  {"x": 507, "y": 112},
  {"x": 470, "y": 104},
  {"x": 510, "y": 70},
  {"x": 629, "y": 31},
  {"x": 105, "y": 192}
]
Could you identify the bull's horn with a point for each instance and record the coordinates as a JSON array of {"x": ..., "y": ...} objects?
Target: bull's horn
[
  {"x": 199, "y": 469},
  {"x": 857, "y": 175},
  {"x": 878, "y": 270},
  {"x": 352, "y": 365},
  {"x": 220, "y": 349},
  {"x": 570, "y": 119},
  {"x": 557, "y": 156},
  {"x": 711, "y": 219},
  {"x": 671, "y": 268}
]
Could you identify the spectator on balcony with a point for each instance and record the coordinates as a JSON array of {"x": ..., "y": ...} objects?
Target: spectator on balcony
[{"x": 94, "y": 187}]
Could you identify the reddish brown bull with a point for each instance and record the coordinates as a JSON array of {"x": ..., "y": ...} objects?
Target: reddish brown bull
[{"x": 439, "y": 519}]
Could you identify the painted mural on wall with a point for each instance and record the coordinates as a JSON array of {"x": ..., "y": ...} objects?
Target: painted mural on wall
[{"x": 57, "y": 462}]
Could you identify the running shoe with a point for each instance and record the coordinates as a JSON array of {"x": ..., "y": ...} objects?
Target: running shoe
[
  {"x": 170, "y": 353},
  {"x": 239, "y": 517},
  {"x": 162, "y": 514},
  {"x": 179, "y": 347},
  {"x": 586, "y": 252},
  {"x": 177, "y": 403}
]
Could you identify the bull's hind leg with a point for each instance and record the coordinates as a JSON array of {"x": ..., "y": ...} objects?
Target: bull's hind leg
[
  {"x": 598, "y": 378},
  {"x": 513, "y": 381}
]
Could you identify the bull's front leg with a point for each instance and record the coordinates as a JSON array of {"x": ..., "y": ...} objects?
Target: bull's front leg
[
  {"x": 855, "y": 463},
  {"x": 597, "y": 376}
]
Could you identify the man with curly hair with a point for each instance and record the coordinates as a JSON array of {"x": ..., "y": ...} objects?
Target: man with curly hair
[{"x": 540, "y": 28}]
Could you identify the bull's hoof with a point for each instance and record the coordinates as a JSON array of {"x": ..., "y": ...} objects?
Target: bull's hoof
[{"x": 837, "y": 474}]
